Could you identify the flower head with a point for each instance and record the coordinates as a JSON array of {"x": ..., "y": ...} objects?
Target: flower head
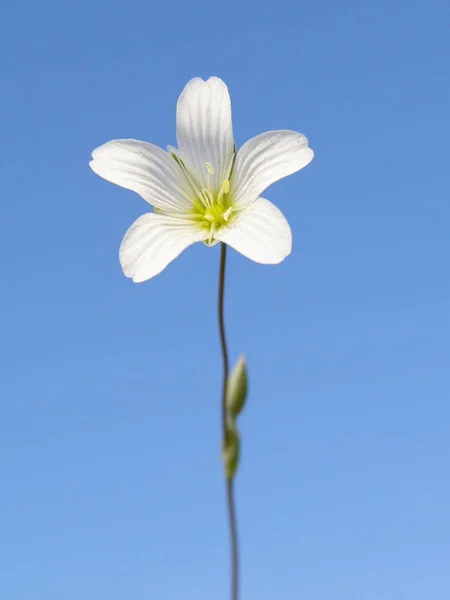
[{"x": 204, "y": 190}]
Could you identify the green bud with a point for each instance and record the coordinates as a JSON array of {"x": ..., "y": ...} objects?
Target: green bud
[
  {"x": 237, "y": 388},
  {"x": 230, "y": 451}
]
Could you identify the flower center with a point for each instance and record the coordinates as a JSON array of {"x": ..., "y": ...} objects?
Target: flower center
[{"x": 211, "y": 210}]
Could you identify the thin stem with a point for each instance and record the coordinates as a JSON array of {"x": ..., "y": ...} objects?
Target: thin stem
[
  {"x": 229, "y": 482},
  {"x": 233, "y": 540},
  {"x": 223, "y": 339}
]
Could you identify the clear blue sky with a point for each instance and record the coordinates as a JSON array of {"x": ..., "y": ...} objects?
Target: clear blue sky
[{"x": 111, "y": 483}]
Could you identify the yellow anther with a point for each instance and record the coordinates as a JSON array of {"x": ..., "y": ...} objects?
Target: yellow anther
[
  {"x": 209, "y": 217},
  {"x": 209, "y": 167},
  {"x": 227, "y": 213},
  {"x": 223, "y": 190}
]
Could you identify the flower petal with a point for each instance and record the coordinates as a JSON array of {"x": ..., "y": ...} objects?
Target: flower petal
[
  {"x": 152, "y": 242},
  {"x": 260, "y": 233},
  {"x": 205, "y": 130},
  {"x": 145, "y": 169},
  {"x": 265, "y": 159}
]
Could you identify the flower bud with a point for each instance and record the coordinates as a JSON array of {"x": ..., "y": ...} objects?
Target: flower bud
[
  {"x": 230, "y": 451},
  {"x": 237, "y": 388}
]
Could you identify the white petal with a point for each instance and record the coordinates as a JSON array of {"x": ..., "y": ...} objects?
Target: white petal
[
  {"x": 265, "y": 159},
  {"x": 260, "y": 233},
  {"x": 145, "y": 169},
  {"x": 205, "y": 130},
  {"x": 152, "y": 242}
]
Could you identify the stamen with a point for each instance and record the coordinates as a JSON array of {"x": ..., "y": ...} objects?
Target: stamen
[
  {"x": 206, "y": 197},
  {"x": 209, "y": 217},
  {"x": 223, "y": 190},
  {"x": 227, "y": 213},
  {"x": 209, "y": 167},
  {"x": 187, "y": 174},
  {"x": 231, "y": 165}
]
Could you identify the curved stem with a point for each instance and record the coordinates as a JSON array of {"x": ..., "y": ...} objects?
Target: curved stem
[{"x": 229, "y": 482}]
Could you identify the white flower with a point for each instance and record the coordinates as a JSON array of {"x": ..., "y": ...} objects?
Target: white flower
[{"x": 204, "y": 190}]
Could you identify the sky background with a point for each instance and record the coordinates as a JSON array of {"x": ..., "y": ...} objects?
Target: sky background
[{"x": 111, "y": 483}]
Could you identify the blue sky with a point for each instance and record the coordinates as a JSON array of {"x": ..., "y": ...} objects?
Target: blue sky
[{"x": 109, "y": 416}]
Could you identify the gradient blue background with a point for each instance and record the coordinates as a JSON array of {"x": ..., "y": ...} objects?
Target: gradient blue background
[{"x": 111, "y": 483}]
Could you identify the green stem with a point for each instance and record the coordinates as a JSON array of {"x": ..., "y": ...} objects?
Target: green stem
[{"x": 232, "y": 524}]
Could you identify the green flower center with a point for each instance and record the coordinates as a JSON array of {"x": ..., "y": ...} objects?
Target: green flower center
[{"x": 210, "y": 211}]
